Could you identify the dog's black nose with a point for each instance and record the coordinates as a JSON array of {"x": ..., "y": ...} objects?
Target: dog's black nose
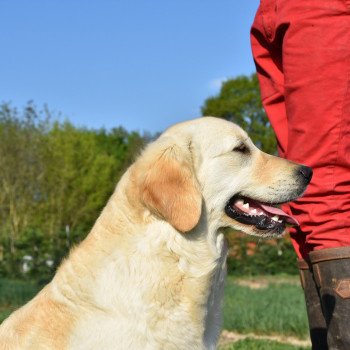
[{"x": 306, "y": 173}]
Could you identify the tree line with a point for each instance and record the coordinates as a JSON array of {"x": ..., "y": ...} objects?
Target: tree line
[{"x": 56, "y": 177}]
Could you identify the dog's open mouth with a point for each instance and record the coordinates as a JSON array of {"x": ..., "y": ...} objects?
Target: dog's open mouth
[{"x": 264, "y": 217}]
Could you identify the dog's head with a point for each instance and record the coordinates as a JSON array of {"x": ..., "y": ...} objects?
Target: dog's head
[{"x": 210, "y": 168}]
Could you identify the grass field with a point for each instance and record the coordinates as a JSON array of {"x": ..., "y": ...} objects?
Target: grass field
[
  {"x": 265, "y": 307},
  {"x": 253, "y": 344}
]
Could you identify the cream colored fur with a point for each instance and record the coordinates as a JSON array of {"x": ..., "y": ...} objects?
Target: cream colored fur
[{"x": 150, "y": 274}]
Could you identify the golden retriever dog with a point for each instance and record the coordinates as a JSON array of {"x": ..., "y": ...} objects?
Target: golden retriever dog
[{"x": 151, "y": 272}]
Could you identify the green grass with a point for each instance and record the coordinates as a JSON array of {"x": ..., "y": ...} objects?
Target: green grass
[
  {"x": 254, "y": 344},
  {"x": 6, "y": 311},
  {"x": 14, "y": 293},
  {"x": 17, "y": 292},
  {"x": 279, "y": 308},
  {"x": 276, "y": 309}
]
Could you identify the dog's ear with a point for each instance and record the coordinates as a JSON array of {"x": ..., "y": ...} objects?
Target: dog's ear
[{"x": 170, "y": 189}]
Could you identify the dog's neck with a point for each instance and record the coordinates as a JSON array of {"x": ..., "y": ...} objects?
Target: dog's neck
[{"x": 183, "y": 272}]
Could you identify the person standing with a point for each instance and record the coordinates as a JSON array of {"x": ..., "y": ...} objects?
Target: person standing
[{"x": 301, "y": 49}]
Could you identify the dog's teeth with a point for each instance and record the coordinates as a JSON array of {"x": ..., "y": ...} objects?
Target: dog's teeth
[
  {"x": 246, "y": 205},
  {"x": 254, "y": 211},
  {"x": 275, "y": 218},
  {"x": 280, "y": 221}
]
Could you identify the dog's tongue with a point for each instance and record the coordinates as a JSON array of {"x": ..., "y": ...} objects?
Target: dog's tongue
[{"x": 276, "y": 211}]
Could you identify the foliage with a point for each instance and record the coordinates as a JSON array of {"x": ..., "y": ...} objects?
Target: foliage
[
  {"x": 54, "y": 180},
  {"x": 239, "y": 101},
  {"x": 20, "y": 169},
  {"x": 249, "y": 256}
]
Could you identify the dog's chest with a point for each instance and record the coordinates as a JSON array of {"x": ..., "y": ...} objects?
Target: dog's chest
[{"x": 157, "y": 310}]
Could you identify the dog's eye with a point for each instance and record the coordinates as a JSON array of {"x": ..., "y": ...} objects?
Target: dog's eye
[{"x": 241, "y": 148}]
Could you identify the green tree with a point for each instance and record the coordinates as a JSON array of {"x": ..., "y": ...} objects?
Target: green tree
[
  {"x": 54, "y": 180},
  {"x": 21, "y": 169},
  {"x": 122, "y": 145},
  {"x": 239, "y": 101},
  {"x": 76, "y": 179}
]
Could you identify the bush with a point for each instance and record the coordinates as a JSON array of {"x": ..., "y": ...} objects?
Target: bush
[{"x": 249, "y": 256}]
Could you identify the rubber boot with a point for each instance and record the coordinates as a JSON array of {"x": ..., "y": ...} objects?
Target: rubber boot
[
  {"x": 331, "y": 268},
  {"x": 317, "y": 323}
]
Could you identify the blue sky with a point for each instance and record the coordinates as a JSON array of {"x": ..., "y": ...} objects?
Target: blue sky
[{"x": 140, "y": 64}]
